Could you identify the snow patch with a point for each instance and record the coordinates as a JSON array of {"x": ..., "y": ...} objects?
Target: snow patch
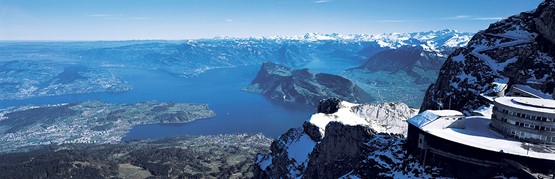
[
  {"x": 345, "y": 115},
  {"x": 264, "y": 161},
  {"x": 504, "y": 64},
  {"x": 300, "y": 149},
  {"x": 485, "y": 111},
  {"x": 457, "y": 41},
  {"x": 459, "y": 58}
]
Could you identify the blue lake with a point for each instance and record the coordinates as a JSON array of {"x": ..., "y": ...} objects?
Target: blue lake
[{"x": 236, "y": 111}]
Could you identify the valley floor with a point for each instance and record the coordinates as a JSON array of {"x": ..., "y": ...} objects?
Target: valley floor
[{"x": 215, "y": 156}]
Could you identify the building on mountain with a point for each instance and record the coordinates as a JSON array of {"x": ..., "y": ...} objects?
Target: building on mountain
[
  {"x": 526, "y": 119},
  {"x": 448, "y": 140}
]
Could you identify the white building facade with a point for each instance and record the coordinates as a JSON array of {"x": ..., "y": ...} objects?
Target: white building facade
[{"x": 527, "y": 119}]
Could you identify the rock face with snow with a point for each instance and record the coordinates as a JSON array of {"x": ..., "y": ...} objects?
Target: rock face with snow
[
  {"x": 516, "y": 50},
  {"x": 341, "y": 141},
  {"x": 303, "y": 86}
]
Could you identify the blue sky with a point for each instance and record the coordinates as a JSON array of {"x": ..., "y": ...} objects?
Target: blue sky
[{"x": 192, "y": 19}]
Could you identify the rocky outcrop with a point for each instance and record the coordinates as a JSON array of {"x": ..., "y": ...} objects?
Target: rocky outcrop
[
  {"x": 516, "y": 50},
  {"x": 386, "y": 117},
  {"x": 343, "y": 144},
  {"x": 303, "y": 86},
  {"x": 339, "y": 151},
  {"x": 329, "y": 106},
  {"x": 545, "y": 21}
]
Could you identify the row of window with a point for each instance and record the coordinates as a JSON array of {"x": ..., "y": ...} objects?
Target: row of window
[
  {"x": 523, "y": 124},
  {"x": 524, "y": 116},
  {"x": 526, "y": 136}
]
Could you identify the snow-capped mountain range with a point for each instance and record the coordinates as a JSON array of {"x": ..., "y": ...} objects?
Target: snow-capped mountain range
[
  {"x": 193, "y": 57},
  {"x": 322, "y": 53},
  {"x": 431, "y": 40}
]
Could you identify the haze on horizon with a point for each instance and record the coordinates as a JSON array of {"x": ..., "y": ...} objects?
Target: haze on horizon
[{"x": 194, "y": 19}]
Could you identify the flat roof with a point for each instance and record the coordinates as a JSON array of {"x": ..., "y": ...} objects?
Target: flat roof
[
  {"x": 530, "y": 104},
  {"x": 429, "y": 116},
  {"x": 477, "y": 134}
]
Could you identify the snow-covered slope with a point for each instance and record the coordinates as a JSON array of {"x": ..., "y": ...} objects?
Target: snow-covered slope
[
  {"x": 516, "y": 50},
  {"x": 382, "y": 118},
  {"x": 344, "y": 140}
]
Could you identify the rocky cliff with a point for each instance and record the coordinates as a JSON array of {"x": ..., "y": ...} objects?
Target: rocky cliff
[
  {"x": 340, "y": 141},
  {"x": 516, "y": 50},
  {"x": 285, "y": 84}
]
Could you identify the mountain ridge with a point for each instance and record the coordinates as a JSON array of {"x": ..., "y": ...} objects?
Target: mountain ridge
[{"x": 516, "y": 50}]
